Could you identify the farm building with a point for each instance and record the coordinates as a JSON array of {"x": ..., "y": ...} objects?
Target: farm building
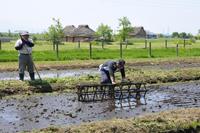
[
  {"x": 68, "y": 31},
  {"x": 138, "y": 32},
  {"x": 83, "y": 33}
]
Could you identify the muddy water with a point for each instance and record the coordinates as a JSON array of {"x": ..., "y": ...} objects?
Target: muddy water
[
  {"x": 50, "y": 73},
  {"x": 40, "y": 111},
  {"x": 53, "y": 73}
]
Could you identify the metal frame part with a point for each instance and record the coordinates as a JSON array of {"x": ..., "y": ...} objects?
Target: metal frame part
[{"x": 100, "y": 92}]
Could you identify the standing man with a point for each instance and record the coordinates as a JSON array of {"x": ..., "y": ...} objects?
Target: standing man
[
  {"x": 24, "y": 47},
  {"x": 109, "y": 68}
]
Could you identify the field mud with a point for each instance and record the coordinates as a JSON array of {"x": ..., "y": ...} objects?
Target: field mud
[{"x": 39, "y": 111}]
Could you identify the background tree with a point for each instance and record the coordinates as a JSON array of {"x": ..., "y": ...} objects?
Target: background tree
[
  {"x": 160, "y": 35},
  {"x": 34, "y": 38},
  {"x": 124, "y": 28},
  {"x": 9, "y": 33},
  {"x": 55, "y": 34},
  {"x": 198, "y": 35},
  {"x": 175, "y": 35},
  {"x": 189, "y": 35},
  {"x": 39, "y": 36},
  {"x": 104, "y": 32},
  {"x": 183, "y": 35}
]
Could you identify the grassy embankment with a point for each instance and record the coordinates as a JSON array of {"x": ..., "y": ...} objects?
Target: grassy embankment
[
  {"x": 134, "y": 74},
  {"x": 177, "y": 121}
]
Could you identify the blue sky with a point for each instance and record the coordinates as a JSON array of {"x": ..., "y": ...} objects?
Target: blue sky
[{"x": 159, "y": 16}]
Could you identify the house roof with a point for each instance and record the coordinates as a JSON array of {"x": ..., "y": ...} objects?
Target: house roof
[
  {"x": 136, "y": 30},
  {"x": 82, "y": 30},
  {"x": 68, "y": 30}
]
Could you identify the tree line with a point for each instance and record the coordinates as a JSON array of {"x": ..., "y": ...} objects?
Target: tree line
[{"x": 103, "y": 33}]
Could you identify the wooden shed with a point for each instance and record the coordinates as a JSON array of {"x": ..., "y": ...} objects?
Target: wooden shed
[
  {"x": 138, "y": 32},
  {"x": 83, "y": 33},
  {"x": 68, "y": 32}
]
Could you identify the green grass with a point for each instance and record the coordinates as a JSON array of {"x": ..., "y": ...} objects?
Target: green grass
[
  {"x": 174, "y": 121},
  {"x": 70, "y": 51},
  {"x": 83, "y": 54}
]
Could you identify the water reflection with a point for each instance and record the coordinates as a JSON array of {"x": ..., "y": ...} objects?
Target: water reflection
[
  {"x": 129, "y": 103},
  {"x": 50, "y": 73},
  {"x": 9, "y": 116}
]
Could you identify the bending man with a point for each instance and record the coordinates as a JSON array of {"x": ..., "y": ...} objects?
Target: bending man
[{"x": 109, "y": 68}]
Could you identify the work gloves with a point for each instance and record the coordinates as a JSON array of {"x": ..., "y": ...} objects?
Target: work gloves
[
  {"x": 24, "y": 42},
  {"x": 30, "y": 44}
]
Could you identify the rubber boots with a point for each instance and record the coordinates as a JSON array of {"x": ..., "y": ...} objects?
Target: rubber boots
[
  {"x": 32, "y": 76},
  {"x": 21, "y": 76}
]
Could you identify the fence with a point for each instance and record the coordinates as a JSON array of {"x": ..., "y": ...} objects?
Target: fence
[
  {"x": 102, "y": 50},
  {"x": 149, "y": 52}
]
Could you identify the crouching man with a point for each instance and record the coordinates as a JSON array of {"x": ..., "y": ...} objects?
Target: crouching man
[
  {"x": 24, "y": 46},
  {"x": 108, "y": 70}
]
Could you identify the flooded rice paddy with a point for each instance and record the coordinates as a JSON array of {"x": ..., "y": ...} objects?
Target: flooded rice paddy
[
  {"x": 43, "y": 110},
  {"x": 50, "y": 73},
  {"x": 57, "y": 73}
]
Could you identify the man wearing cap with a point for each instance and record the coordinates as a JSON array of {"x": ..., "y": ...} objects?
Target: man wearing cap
[
  {"x": 24, "y": 47},
  {"x": 108, "y": 69}
]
